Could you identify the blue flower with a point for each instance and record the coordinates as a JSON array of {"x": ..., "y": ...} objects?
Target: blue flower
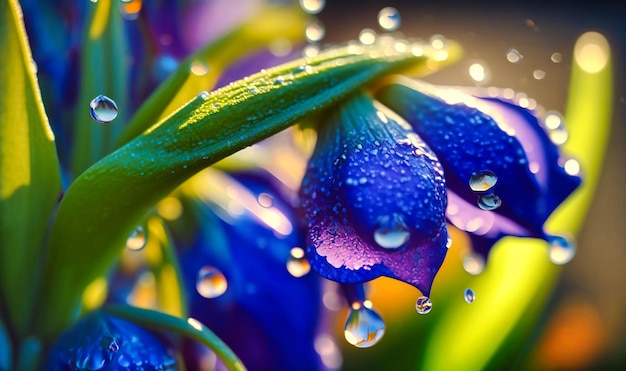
[
  {"x": 259, "y": 298},
  {"x": 103, "y": 342}
]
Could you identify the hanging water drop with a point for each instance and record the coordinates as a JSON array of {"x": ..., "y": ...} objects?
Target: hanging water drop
[
  {"x": 103, "y": 109},
  {"x": 364, "y": 327},
  {"x": 391, "y": 232},
  {"x": 389, "y": 18},
  {"x": 423, "y": 305},
  {"x": 469, "y": 296},
  {"x": 482, "y": 181},
  {"x": 489, "y": 202},
  {"x": 561, "y": 250},
  {"x": 136, "y": 240},
  {"x": 297, "y": 264},
  {"x": 211, "y": 283}
]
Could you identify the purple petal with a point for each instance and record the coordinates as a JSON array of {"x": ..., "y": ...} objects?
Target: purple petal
[{"x": 375, "y": 198}]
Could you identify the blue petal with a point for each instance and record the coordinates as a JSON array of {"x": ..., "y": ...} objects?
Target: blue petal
[
  {"x": 471, "y": 134},
  {"x": 102, "y": 342},
  {"x": 263, "y": 299},
  {"x": 375, "y": 198}
]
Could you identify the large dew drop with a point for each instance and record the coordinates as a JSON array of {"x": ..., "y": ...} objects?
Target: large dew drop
[
  {"x": 482, "y": 181},
  {"x": 103, "y": 109},
  {"x": 297, "y": 265},
  {"x": 423, "y": 305},
  {"x": 391, "y": 232},
  {"x": 469, "y": 296},
  {"x": 489, "y": 202},
  {"x": 364, "y": 327},
  {"x": 562, "y": 250},
  {"x": 136, "y": 240},
  {"x": 211, "y": 283}
]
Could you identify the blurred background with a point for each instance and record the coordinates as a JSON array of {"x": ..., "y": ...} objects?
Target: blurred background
[{"x": 528, "y": 46}]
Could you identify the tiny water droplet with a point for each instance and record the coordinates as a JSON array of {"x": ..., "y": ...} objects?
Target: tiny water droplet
[
  {"x": 312, "y": 6},
  {"x": 203, "y": 95},
  {"x": 556, "y": 57},
  {"x": 482, "y": 181},
  {"x": 297, "y": 264},
  {"x": 539, "y": 74},
  {"x": 304, "y": 68},
  {"x": 489, "y": 202},
  {"x": 514, "y": 56},
  {"x": 562, "y": 250},
  {"x": 364, "y": 327},
  {"x": 389, "y": 18},
  {"x": 391, "y": 232},
  {"x": 473, "y": 264},
  {"x": 137, "y": 239},
  {"x": 469, "y": 296},
  {"x": 423, "y": 305},
  {"x": 211, "y": 283},
  {"x": 314, "y": 32},
  {"x": 449, "y": 242},
  {"x": 199, "y": 68},
  {"x": 113, "y": 346},
  {"x": 103, "y": 109}
]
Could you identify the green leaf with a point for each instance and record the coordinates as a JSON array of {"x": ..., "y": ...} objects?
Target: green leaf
[
  {"x": 190, "y": 328},
  {"x": 109, "y": 199},
  {"x": 29, "y": 171},
  {"x": 105, "y": 69},
  {"x": 270, "y": 23}
]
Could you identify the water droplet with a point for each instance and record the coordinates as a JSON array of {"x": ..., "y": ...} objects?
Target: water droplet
[
  {"x": 297, "y": 264},
  {"x": 489, "y": 202},
  {"x": 389, "y": 18},
  {"x": 449, "y": 242},
  {"x": 562, "y": 250},
  {"x": 469, "y": 296},
  {"x": 367, "y": 36},
  {"x": 312, "y": 6},
  {"x": 210, "y": 282},
  {"x": 473, "y": 264},
  {"x": 514, "y": 56},
  {"x": 113, "y": 346},
  {"x": 539, "y": 74},
  {"x": 137, "y": 239},
  {"x": 364, "y": 327},
  {"x": 314, "y": 32},
  {"x": 423, "y": 305},
  {"x": 199, "y": 68},
  {"x": 103, "y": 109},
  {"x": 556, "y": 57},
  {"x": 203, "y": 95},
  {"x": 304, "y": 68},
  {"x": 572, "y": 166},
  {"x": 391, "y": 232},
  {"x": 482, "y": 180},
  {"x": 555, "y": 123},
  {"x": 478, "y": 72}
]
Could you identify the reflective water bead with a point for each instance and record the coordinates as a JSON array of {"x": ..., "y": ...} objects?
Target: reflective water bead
[
  {"x": 489, "y": 202},
  {"x": 473, "y": 264},
  {"x": 199, "y": 68},
  {"x": 136, "y": 240},
  {"x": 389, "y": 18},
  {"x": 469, "y": 296},
  {"x": 211, "y": 283},
  {"x": 514, "y": 56},
  {"x": 103, "y": 109},
  {"x": 364, "y": 327},
  {"x": 561, "y": 250},
  {"x": 482, "y": 181},
  {"x": 423, "y": 305},
  {"x": 297, "y": 264},
  {"x": 312, "y": 6},
  {"x": 392, "y": 232}
]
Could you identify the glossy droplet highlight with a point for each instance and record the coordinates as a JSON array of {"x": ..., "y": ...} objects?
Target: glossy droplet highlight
[
  {"x": 312, "y": 6},
  {"x": 423, "y": 305},
  {"x": 364, "y": 327},
  {"x": 136, "y": 240},
  {"x": 211, "y": 283},
  {"x": 391, "y": 232},
  {"x": 514, "y": 56},
  {"x": 473, "y": 264},
  {"x": 469, "y": 296},
  {"x": 489, "y": 202},
  {"x": 389, "y": 18},
  {"x": 367, "y": 36},
  {"x": 103, "y": 109},
  {"x": 199, "y": 68},
  {"x": 314, "y": 32},
  {"x": 562, "y": 250},
  {"x": 482, "y": 181},
  {"x": 555, "y": 124},
  {"x": 297, "y": 264}
]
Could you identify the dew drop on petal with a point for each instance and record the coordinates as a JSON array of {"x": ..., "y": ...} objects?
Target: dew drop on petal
[
  {"x": 103, "y": 109},
  {"x": 561, "y": 250},
  {"x": 482, "y": 180},
  {"x": 473, "y": 264},
  {"x": 469, "y": 296},
  {"x": 423, "y": 305},
  {"x": 513, "y": 56},
  {"x": 389, "y": 18},
  {"x": 391, "y": 232},
  {"x": 137, "y": 239},
  {"x": 312, "y": 6},
  {"x": 297, "y": 264},
  {"x": 199, "y": 68},
  {"x": 364, "y": 327},
  {"x": 489, "y": 202},
  {"x": 210, "y": 282}
]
